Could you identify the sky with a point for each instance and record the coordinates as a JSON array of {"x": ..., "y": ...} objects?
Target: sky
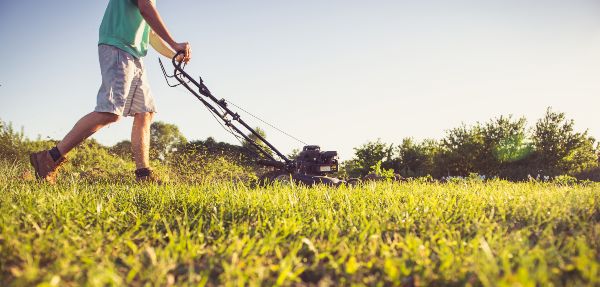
[{"x": 336, "y": 73}]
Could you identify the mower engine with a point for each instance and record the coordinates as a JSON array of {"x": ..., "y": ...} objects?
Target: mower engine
[
  {"x": 313, "y": 161},
  {"x": 310, "y": 167}
]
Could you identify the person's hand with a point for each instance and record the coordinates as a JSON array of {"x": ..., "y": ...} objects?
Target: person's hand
[{"x": 186, "y": 48}]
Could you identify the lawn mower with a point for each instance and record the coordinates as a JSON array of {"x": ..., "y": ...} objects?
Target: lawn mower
[{"x": 310, "y": 167}]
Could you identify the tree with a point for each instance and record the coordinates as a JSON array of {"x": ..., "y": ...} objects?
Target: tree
[
  {"x": 460, "y": 151},
  {"x": 559, "y": 149},
  {"x": 164, "y": 139},
  {"x": 122, "y": 149},
  {"x": 506, "y": 148},
  {"x": 253, "y": 149},
  {"x": 499, "y": 147},
  {"x": 367, "y": 156},
  {"x": 416, "y": 159}
]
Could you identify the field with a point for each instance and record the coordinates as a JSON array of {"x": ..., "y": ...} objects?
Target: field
[{"x": 415, "y": 233}]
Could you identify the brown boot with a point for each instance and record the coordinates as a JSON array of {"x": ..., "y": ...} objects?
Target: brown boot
[
  {"x": 147, "y": 176},
  {"x": 45, "y": 167}
]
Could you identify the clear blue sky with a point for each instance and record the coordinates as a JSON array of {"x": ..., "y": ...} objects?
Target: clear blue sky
[{"x": 336, "y": 73}]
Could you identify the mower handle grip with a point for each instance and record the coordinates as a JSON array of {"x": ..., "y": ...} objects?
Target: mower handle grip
[{"x": 174, "y": 59}]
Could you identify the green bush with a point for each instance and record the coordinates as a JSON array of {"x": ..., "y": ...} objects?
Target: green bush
[
  {"x": 378, "y": 170},
  {"x": 561, "y": 150},
  {"x": 12, "y": 142},
  {"x": 502, "y": 147},
  {"x": 198, "y": 167},
  {"x": 367, "y": 156},
  {"x": 91, "y": 161}
]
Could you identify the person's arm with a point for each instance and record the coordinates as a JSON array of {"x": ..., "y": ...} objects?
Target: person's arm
[
  {"x": 160, "y": 46},
  {"x": 150, "y": 14}
]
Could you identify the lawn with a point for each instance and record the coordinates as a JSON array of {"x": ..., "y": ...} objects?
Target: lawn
[{"x": 414, "y": 233}]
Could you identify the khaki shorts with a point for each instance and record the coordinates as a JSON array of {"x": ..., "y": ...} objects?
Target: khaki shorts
[{"x": 124, "y": 89}]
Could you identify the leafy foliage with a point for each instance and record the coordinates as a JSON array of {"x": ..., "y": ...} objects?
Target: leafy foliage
[
  {"x": 12, "y": 143},
  {"x": 122, "y": 149},
  {"x": 92, "y": 162},
  {"x": 164, "y": 139},
  {"x": 255, "y": 139},
  {"x": 559, "y": 149},
  {"x": 416, "y": 159},
  {"x": 378, "y": 170},
  {"x": 502, "y": 147},
  {"x": 367, "y": 156},
  {"x": 461, "y": 150}
]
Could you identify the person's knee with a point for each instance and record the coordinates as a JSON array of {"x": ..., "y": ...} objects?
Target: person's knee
[
  {"x": 109, "y": 118},
  {"x": 145, "y": 117},
  {"x": 148, "y": 115}
]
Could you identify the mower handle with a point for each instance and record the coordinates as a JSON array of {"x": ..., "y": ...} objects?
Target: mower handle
[
  {"x": 185, "y": 79},
  {"x": 174, "y": 60}
]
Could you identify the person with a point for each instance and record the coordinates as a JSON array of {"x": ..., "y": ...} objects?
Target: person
[{"x": 127, "y": 29}]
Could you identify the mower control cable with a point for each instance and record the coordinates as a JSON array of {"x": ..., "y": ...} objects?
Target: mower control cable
[{"x": 266, "y": 123}]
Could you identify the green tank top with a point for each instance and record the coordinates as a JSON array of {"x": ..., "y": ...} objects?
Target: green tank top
[{"x": 124, "y": 27}]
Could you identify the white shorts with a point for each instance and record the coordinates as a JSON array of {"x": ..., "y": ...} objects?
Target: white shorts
[{"x": 124, "y": 89}]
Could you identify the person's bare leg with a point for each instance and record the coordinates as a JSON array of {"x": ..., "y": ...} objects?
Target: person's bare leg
[
  {"x": 140, "y": 139},
  {"x": 84, "y": 128}
]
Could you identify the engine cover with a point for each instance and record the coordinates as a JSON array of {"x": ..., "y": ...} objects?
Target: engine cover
[{"x": 313, "y": 161}]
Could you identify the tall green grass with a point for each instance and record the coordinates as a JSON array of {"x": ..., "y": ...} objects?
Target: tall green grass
[{"x": 380, "y": 234}]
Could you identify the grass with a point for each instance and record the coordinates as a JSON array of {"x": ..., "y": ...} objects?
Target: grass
[{"x": 386, "y": 234}]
